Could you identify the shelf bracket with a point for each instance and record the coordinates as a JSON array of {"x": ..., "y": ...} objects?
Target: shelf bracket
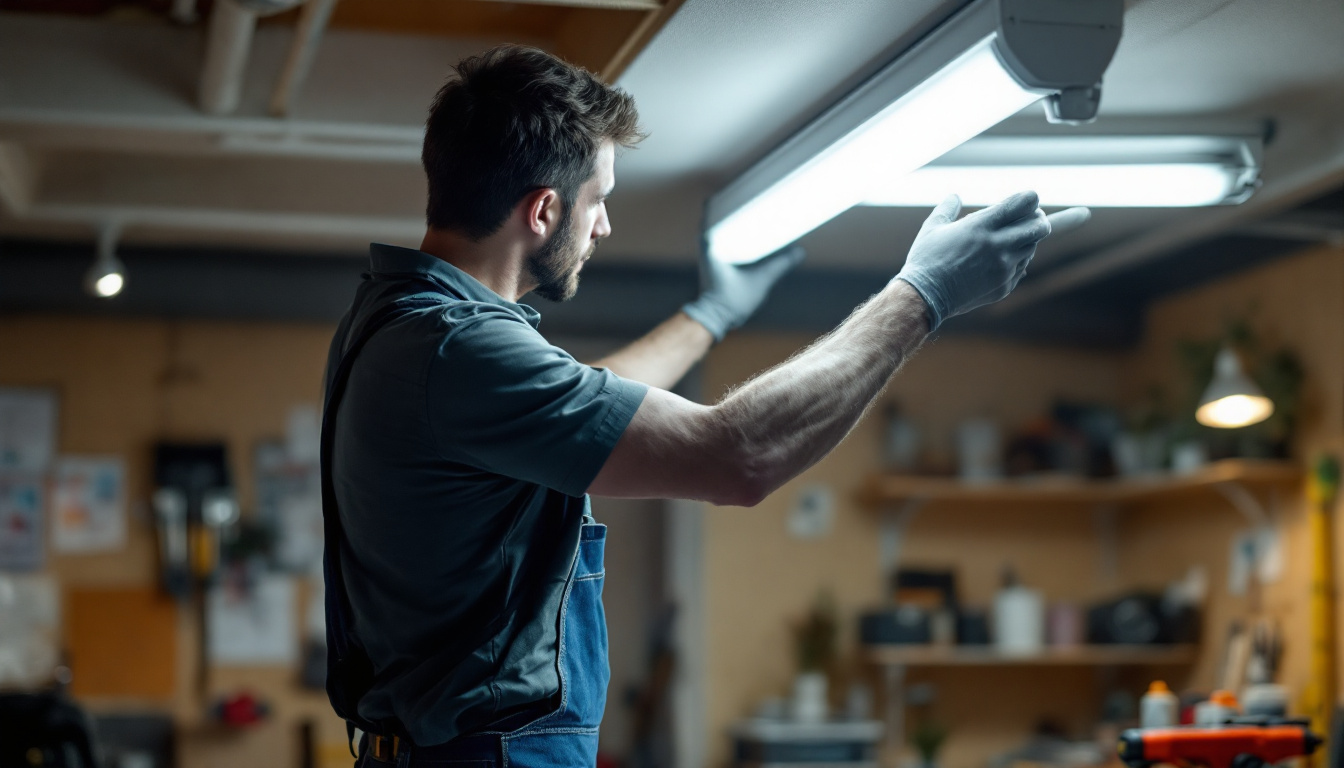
[
  {"x": 1244, "y": 502},
  {"x": 1265, "y": 544},
  {"x": 894, "y": 523}
]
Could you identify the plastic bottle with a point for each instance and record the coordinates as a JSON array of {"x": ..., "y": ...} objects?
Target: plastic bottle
[
  {"x": 1019, "y": 617},
  {"x": 1159, "y": 707},
  {"x": 1221, "y": 706}
]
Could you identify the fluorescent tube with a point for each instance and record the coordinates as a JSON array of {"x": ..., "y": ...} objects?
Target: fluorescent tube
[
  {"x": 985, "y": 62},
  {"x": 963, "y": 99},
  {"x": 1155, "y": 185},
  {"x": 1119, "y": 170}
]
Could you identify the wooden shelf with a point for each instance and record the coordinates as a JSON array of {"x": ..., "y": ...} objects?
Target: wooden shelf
[
  {"x": 882, "y": 489},
  {"x": 988, "y": 656}
]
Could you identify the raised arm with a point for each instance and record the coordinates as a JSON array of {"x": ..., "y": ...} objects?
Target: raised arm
[
  {"x": 775, "y": 426},
  {"x": 730, "y": 294},
  {"x": 662, "y": 356}
]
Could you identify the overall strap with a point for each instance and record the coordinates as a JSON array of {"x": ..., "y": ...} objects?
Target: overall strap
[{"x": 349, "y": 669}]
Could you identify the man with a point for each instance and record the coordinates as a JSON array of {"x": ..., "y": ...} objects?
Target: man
[{"x": 464, "y": 571}]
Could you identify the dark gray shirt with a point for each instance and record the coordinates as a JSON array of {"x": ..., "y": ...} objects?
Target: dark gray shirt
[{"x": 462, "y": 452}]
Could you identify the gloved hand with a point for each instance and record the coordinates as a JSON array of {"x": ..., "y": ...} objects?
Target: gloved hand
[
  {"x": 959, "y": 265},
  {"x": 730, "y": 293}
]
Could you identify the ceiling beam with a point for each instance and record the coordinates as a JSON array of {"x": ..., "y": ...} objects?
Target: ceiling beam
[
  {"x": 650, "y": 26},
  {"x": 615, "y": 5},
  {"x": 16, "y": 179},
  {"x": 1308, "y": 226},
  {"x": 334, "y": 226}
]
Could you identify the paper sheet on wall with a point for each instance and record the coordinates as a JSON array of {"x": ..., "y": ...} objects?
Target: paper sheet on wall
[
  {"x": 27, "y": 429},
  {"x": 253, "y": 625},
  {"x": 88, "y": 505},
  {"x": 21, "y": 529},
  {"x": 289, "y": 501},
  {"x": 29, "y": 630}
]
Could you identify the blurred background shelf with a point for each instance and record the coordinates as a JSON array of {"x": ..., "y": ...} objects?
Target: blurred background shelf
[
  {"x": 970, "y": 656},
  {"x": 884, "y": 489}
]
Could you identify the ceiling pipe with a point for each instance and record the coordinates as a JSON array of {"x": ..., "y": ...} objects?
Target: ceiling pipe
[
  {"x": 228, "y": 43},
  {"x": 1307, "y": 226},
  {"x": 313, "y": 21}
]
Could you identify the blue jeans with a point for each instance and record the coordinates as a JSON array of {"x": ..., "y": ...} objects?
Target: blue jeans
[{"x": 566, "y": 737}]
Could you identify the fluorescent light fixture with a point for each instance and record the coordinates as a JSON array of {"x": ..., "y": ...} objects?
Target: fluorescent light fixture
[
  {"x": 1096, "y": 171},
  {"x": 987, "y": 62},
  {"x": 1232, "y": 399},
  {"x": 107, "y": 275}
]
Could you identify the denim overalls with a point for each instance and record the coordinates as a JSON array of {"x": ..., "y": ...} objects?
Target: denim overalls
[{"x": 567, "y": 737}]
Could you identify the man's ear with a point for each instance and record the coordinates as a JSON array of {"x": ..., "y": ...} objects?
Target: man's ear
[{"x": 542, "y": 209}]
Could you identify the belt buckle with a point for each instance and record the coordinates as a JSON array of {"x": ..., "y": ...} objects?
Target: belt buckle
[{"x": 383, "y": 749}]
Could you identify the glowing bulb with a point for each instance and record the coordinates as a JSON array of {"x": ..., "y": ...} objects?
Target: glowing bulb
[
  {"x": 107, "y": 275},
  {"x": 109, "y": 284},
  {"x": 1235, "y": 411}
]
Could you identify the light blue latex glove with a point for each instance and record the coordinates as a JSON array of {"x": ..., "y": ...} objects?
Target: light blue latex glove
[
  {"x": 730, "y": 293},
  {"x": 959, "y": 265}
]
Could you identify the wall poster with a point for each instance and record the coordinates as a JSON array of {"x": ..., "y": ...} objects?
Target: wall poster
[{"x": 88, "y": 510}]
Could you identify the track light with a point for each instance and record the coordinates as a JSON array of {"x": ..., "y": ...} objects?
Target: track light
[
  {"x": 1096, "y": 171},
  {"x": 988, "y": 61},
  {"x": 107, "y": 276},
  {"x": 1232, "y": 399}
]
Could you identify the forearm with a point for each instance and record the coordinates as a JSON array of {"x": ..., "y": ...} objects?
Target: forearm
[
  {"x": 661, "y": 357},
  {"x": 788, "y": 418}
]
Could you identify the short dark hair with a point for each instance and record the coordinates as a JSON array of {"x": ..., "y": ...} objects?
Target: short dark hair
[{"x": 512, "y": 120}]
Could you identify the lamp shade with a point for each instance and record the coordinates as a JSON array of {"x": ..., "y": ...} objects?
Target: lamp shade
[{"x": 1232, "y": 399}]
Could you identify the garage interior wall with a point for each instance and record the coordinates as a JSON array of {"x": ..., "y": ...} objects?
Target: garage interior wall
[
  {"x": 759, "y": 579},
  {"x": 124, "y": 384}
]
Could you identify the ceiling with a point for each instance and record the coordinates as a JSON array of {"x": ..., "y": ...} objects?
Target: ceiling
[{"x": 99, "y": 122}]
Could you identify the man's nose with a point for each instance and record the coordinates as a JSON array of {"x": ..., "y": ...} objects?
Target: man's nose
[{"x": 601, "y": 227}]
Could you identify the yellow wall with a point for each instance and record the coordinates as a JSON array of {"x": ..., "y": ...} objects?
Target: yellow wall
[
  {"x": 1297, "y": 302},
  {"x": 759, "y": 578},
  {"x": 124, "y": 384}
]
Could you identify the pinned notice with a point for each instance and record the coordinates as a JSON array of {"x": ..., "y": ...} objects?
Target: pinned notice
[
  {"x": 27, "y": 429},
  {"x": 89, "y": 504}
]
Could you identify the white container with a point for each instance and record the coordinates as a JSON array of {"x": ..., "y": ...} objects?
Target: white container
[
  {"x": 979, "y": 451},
  {"x": 809, "y": 697},
  {"x": 1159, "y": 707},
  {"x": 1019, "y": 620}
]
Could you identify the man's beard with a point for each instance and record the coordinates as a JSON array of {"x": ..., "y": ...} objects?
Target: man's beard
[{"x": 552, "y": 264}]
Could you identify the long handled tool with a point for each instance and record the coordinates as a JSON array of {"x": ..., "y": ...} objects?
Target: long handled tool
[{"x": 1322, "y": 490}]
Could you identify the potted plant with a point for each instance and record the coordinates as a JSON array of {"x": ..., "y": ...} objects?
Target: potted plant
[
  {"x": 928, "y": 735},
  {"x": 814, "y": 642}
]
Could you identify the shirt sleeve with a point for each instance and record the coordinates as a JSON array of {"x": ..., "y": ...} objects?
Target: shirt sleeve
[{"x": 503, "y": 399}]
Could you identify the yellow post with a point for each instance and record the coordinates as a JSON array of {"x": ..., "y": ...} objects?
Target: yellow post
[{"x": 1322, "y": 488}]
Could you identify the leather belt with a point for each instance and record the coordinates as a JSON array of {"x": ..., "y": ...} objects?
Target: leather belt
[{"x": 384, "y": 749}]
